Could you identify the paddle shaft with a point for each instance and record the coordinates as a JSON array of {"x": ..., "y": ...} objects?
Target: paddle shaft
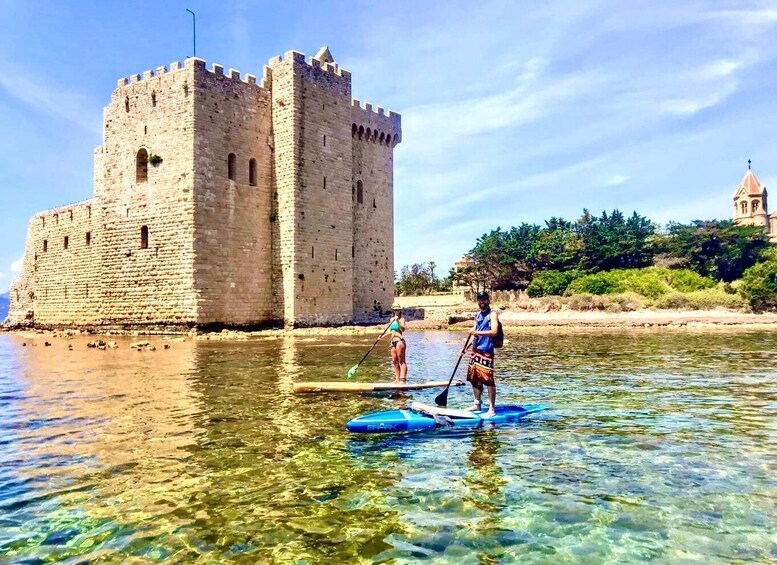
[
  {"x": 442, "y": 398},
  {"x": 373, "y": 345}
]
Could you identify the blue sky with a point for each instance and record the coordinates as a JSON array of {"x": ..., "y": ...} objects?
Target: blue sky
[{"x": 512, "y": 111}]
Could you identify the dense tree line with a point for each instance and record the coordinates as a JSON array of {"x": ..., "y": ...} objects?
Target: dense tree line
[
  {"x": 419, "y": 278},
  {"x": 563, "y": 251}
]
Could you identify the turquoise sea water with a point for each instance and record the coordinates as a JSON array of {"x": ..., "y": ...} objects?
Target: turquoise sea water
[{"x": 658, "y": 447}]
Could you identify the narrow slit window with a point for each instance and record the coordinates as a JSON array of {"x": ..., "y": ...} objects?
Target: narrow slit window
[
  {"x": 89, "y": 238},
  {"x": 312, "y": 252},
  {"x": 141, "y": 166},
  {"x": 360, "y": 192},
  {"x": 126, "y": 103},
  {"x": 66, "y": 243},
  {"x": 336, "y": 255},
  {"x": 45, "y": 245},
  {"x": 231, "y": 161},
  {"x": 144, "y": 237},
  {"x": 324, "y": 140},
  {"x": 153, "y": 99},
  {"x": 324, "y": 183},
  {"x": 252, "y": 172}
]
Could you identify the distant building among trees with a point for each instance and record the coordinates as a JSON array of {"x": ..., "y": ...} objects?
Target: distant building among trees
[{"x": 750, "y": 205}]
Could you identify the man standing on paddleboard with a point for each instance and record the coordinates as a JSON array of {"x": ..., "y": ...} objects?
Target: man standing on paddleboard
[{"x": 481, "y": 365}]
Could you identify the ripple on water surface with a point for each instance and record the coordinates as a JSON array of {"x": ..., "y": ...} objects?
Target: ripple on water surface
[{"x": 658, "y": 446}]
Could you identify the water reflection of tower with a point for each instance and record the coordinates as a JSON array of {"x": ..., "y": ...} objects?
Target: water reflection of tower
[
  {"x": 486, "y": 476},
  {"x": 117, "y": 421},
  {"x": 487, "y": 490}
]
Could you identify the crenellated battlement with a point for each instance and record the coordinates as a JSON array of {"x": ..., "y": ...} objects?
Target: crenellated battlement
[
  {"x": 379, "y": 110},
  {"x": 295, "y": 57},
  {"x": 193, "y": 62},
  {"x": 147, "y": 75},
  {"x": 373, "y": 123}
]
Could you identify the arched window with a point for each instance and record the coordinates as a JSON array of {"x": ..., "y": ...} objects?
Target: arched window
[
  {"x": 360, "y": 192},
  {"x": 354, "y": 129},
  {"x": 743, "y": 207},
  {"x": 382, "y": 137},
  {"x": 252, "y": 172},
  {"x": 755, "y": 205},
  {"x": 141, "y": 166},
  {"x": 144, "y": 237},
  {"x": 231, "y": 161},
  {"x": 368, "y": 134}
]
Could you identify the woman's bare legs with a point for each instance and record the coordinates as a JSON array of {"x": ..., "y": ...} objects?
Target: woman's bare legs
[
  {"x": 395, "y": 363},
  {"x": 401, "y": 349}
]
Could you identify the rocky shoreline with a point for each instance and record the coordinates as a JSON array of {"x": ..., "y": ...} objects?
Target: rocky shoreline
[{"x": 458, "y": 320}]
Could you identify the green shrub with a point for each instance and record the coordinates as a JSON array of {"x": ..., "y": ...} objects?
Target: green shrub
[
  {"x": 646, "y": 282},
  {"x": 650, "y": 282},
  {"x": 606, "y": 282},
  {"x": 684, "y": 280},
  {"x": 548, "y": 283},
  {"x": 759, "y": 286},
  {"x": 711, "y": 298}
]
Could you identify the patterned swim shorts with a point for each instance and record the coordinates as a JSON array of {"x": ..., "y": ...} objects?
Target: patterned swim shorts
[{"x": 481, "y": 370}]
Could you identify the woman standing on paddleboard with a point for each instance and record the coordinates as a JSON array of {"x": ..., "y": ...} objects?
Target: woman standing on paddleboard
[{"x": 398, "y": 345}]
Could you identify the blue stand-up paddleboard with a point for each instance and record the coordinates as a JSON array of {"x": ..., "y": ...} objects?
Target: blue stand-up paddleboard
[{"x": 418, "y": 417}]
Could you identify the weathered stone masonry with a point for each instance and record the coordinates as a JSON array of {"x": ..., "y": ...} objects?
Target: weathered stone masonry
[{"x": 221, "y": 199}]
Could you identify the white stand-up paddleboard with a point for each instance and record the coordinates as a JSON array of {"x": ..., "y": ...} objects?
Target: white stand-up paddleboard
[{"x": 342, "y": 386}]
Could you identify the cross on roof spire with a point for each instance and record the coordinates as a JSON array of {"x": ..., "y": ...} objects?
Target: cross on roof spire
[{"x": 748, "y": 164}]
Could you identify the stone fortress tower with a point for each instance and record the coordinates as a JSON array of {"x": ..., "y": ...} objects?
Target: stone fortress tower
[
  {"x": 224, "y": 200},
  {"x": 750, "y": 206}
]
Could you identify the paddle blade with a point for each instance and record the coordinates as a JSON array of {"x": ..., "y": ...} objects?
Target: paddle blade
[
  {"x": 352, "y": 371},
  {"x": 442, "y": 398}
]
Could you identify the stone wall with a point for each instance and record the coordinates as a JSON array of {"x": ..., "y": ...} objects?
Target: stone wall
[
  {"x": 60, "y": 279},
  {"x": 149, "y": 281},
  {"x": 374, "y": 135},
  {"x": 233, "y": 247},
  {"x": 323, "y": 238},
  {"x": 286, "y": 122}
]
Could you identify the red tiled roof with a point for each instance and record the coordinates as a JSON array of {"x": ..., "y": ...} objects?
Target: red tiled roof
[{"x": 751, "y": 184}]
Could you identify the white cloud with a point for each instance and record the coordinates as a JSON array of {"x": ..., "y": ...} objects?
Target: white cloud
[
  {"x": 16, "y": 266},
  {"x": 615, "y": 180},
  {"x": 51, "y": 99},
  {"x": 2, "y": 275}
]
